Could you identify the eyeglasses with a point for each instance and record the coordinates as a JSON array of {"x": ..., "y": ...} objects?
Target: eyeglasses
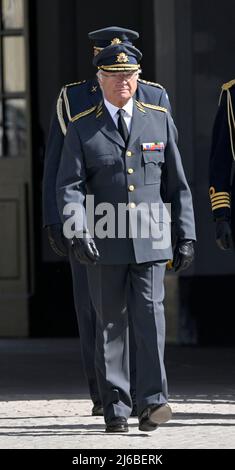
[{"x": 127, "y": 76}]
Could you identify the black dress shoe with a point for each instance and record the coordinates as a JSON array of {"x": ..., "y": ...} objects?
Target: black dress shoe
[
  {"x": 118, "y": 424},
  {"x": 97, "y": 409},
  {"x": 154, "y": 415}
]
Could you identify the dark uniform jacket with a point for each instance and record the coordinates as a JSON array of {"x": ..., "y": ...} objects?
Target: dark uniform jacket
[
  {"x": 95, "y": 162},
  {"x": 73, "y": 99},
  {"x": 222, "y": 183}
]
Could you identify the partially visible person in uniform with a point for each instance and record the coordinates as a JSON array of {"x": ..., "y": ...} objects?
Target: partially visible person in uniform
[
  {"x": 74, "y": 99},
  {"x": 222, "y": 182},
  {"x": 120, "y": 151}
]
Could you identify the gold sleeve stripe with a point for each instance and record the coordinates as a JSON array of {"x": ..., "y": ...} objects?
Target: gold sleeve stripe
[
  {"x": 220, "y": 206},
  {"x": 225, "y": 201},
  {"x": 220, "y": 201},
  {"x": 216, "y": 198},
  {"x": 84, "y": 113},
  {"x": 59, "y": 110},
  {"x": 219, "y": 194}
]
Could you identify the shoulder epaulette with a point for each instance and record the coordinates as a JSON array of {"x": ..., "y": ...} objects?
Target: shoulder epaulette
[
  {"x": 150, "y": 83},
  {"x": 66, "y": 101},
  {"x": 63, "y": 98},
  {"x": 153, "y": 106},
  {"x": 228, "y": 85},
  {"x": 83, "y": 113}
]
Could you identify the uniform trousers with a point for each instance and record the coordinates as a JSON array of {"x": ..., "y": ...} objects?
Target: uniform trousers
[
  {"x": 142, "y": 285},
  {"x": 86, "y": 317}
]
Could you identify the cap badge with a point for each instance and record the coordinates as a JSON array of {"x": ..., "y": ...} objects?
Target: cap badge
[
  {"x": 116, "y": 41},
  {"x": 122, "y": 58}
]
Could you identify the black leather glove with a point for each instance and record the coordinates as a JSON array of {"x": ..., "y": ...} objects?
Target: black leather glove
[
  {"x": 84, "y": 249},
  {"x": 223, "y": 234},
  {"x": 183, "y": 255},
  {"x": 56, "y": 239}
]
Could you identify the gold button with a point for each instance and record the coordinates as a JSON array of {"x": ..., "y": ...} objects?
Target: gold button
[
  {"x": 130, "y": 171},
  {"x": 131, "y": 187},
  {"x": 132, "y": 205},
  {"x": 129, "y": 153}
]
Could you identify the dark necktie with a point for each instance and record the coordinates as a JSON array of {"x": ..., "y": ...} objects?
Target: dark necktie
[{"x": 122, "y": 127}]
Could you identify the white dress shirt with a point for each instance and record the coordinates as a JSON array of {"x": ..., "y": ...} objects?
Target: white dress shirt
[{"x": 113, "y": 110}]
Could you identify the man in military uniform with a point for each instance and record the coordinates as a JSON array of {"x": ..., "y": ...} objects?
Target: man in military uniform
[
  {"x": 73, "y": 99},
  {"x": 222, "y": 182},
  {"x": 120, "y": 151}
]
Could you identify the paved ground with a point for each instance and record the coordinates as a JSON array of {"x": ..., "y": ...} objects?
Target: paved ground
[{"x": 44, "y": 402}]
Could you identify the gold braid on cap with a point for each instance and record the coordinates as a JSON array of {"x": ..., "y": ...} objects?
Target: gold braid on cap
[{"x": 119, "y": 67}]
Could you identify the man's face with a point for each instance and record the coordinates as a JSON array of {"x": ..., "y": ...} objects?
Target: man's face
[{"x": 118, "y": 87}]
